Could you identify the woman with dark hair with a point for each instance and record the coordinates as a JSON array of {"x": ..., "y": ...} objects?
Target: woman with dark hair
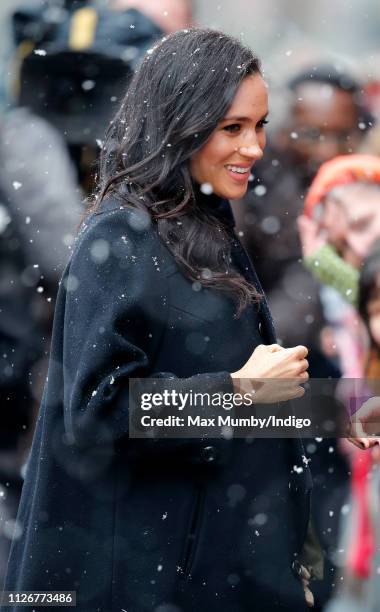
[{"x": 159, "y": 286}]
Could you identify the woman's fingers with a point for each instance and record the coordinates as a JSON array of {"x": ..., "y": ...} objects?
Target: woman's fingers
[
  {"x": 297, "y": 352},
  {"x": 274, "y": 348},
  {"x": 301, "y": 351},
  {"x": 365, "y": 443},
  {"x": 367, "y": 419},
  {"x": 303, "y": 365},
  {"x": 362, "y": 443},
  {"x": 303, "y": 376},
  {"x": 359, "y": 437},
  {"x": 300, "y": 392},
  {"x": 357, "y": 429}
]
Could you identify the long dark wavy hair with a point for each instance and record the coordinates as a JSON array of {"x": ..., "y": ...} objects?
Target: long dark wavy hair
[{"x": 177, "y": 97}]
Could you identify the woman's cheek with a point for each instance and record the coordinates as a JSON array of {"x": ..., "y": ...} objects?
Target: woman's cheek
[
  {"x": 262, "y": 140},
  {"x": 374, "y": 327}
]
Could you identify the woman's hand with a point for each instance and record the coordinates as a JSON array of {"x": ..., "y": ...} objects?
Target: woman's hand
[
  {"x": 366, "y": 422},
  {"x": 311, "y": 236},
  {"x": 286, "y": 369},
  {"x": 274, "y": 361}
]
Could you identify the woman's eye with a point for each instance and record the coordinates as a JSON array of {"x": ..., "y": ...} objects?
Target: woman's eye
[
  {"x": 233, "y": 128},
  {"x": 262, "y": 123}
]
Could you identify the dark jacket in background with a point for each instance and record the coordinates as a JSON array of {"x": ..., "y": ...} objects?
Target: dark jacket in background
[{"x": 134, "y": 524}]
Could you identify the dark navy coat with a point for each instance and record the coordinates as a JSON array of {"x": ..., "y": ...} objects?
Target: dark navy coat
[{"x": 141, "y": 525}]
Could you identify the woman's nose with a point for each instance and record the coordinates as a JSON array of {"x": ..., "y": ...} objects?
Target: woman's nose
[{"x": 253, "y": 151}]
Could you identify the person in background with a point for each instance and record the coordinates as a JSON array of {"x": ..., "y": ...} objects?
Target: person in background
[
  {"x": 38, "y": 221},
  {"x": 360, "y": 540},
  {"x": 75, "y": 62},
  {"x": 341, "y": 221}
]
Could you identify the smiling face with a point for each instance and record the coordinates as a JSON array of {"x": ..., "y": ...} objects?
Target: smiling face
[{"x": 225, "y": 161}]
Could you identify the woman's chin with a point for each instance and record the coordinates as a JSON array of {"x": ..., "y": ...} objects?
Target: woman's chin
[{"x": 235, "y": 193}]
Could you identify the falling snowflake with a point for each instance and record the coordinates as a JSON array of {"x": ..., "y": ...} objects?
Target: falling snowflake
[
  {"x": 260, "y": 519},
  {"x": 206, "y": 273},
  {"x": 16, "y": 185},
  {"x": 41, "y": 52},
  {"x": 271, "y": 225},
  {"x": 207, "y": 188},
  {"x": 12, "y": 529},
  {"x": 88, "y": 85},
  {"x": 260, "y": 190},
  {"x": 297, "y": 469},
  {"x": 100, "y": 250}
]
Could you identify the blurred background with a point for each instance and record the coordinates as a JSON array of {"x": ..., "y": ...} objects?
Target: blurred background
[{"x": 347, "y": 30}]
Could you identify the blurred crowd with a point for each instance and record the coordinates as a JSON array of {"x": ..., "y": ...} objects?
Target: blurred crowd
[{"x": 310, "y": 223}]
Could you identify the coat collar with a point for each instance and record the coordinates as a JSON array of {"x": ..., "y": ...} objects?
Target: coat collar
[{"x": 215, "y": 205}]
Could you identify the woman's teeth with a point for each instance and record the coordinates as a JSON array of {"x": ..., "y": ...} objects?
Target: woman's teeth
[{"x": 238, "y": 169}]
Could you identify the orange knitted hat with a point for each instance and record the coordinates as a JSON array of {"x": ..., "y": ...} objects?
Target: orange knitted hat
[{"x": 340, "y": 171}]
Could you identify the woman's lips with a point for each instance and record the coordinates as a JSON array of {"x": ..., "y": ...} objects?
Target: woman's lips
[{"x": 239, "y": 177}]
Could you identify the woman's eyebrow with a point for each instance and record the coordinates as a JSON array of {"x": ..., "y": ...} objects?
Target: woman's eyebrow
[{"x": 240, "y": 118}]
